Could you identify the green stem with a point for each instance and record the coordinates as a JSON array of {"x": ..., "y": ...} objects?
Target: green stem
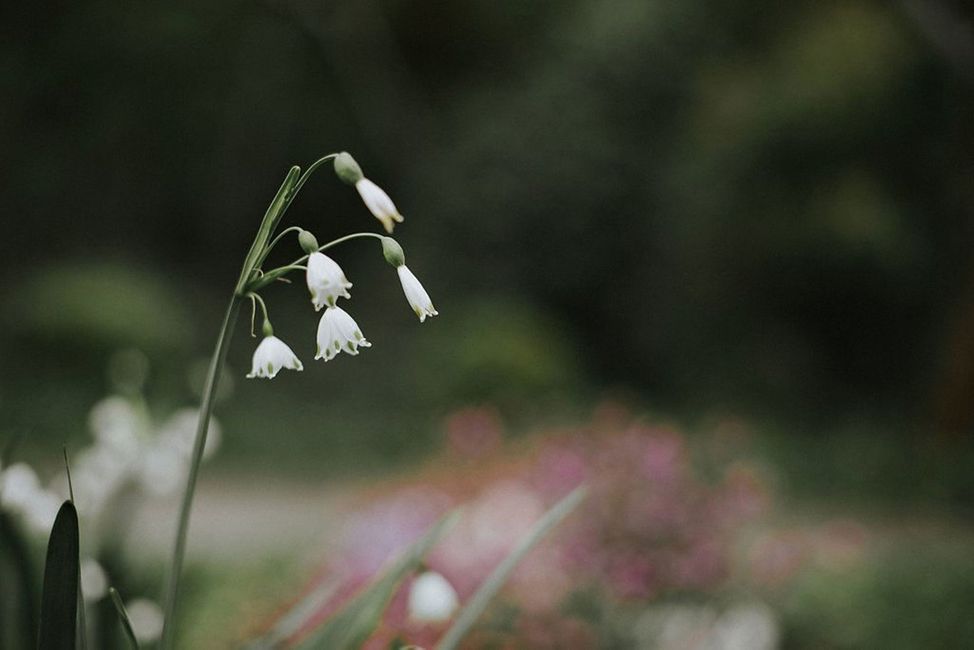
[
  {"x": 206, "y": 409},
  {"x": 336, "y": 242},
  {"x": 276, "y": 240},
  {"x": 274, "y": 274},
  {"x": 307, "y": 174}
]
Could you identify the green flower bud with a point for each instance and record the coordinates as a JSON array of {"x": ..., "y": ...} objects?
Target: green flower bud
[
  {"x": 392, "y": 251},
  {"x": 347, "y": 169},
  {"x": 268, "y": 329},
  {"x": 308, "y": 242}
]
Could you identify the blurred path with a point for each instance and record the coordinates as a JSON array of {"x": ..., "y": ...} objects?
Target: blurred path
[{"x": 235, "y": 519}]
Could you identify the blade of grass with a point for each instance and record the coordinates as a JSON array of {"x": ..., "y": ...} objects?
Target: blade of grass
[
  {"x": 354, "y": 623},
  {"x": 479, "y": 601},
  {"x": 82, "y": 617},
  {"x": 123, "y": 618},
  {"x": 59, "y": 599}
]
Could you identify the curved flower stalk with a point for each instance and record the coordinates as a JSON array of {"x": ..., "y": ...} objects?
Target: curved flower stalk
[{"x": 337, "y": 330}]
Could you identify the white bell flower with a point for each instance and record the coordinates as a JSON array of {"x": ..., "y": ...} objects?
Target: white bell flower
[
  {"x": 416, "y": 295},
  {"x": 146, "y": 619},
  {"x": 432, "y": 599},
  {"x": 378, "y": 203},
  {"x": 326, "y": 281},
  {"x": 270, "y": 356},
  {"x": 338, "y": 332}
]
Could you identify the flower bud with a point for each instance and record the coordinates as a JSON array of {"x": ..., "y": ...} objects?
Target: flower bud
[
  {"x": 308, "y": 242},
  {"x": 393, "y": 252},
  {"x": 432, "y": 599},
  {"x": 347, "y": 169}
]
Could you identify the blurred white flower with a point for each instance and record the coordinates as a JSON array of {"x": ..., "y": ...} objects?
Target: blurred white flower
[
  {"x": 432, "y": 599},
  {"x": 163, "y": 470},
  {"x": 116, "y": 423},
  {"x": 326, "y": 281},
  {"x": 94, "y": 582},
  {"x": 378, "y": 203},
  {"x": 41, "y": 510},
  {"x": 338, "y": 332},
  {"x": 146, "y": 619},
  {"x": 416, "y": 295},
  {"x": 18, "y": 485},
  {"x": 751, "y": 626},
  {"x": 270, "y": 356},
  {"x": 179, "y": 432}
]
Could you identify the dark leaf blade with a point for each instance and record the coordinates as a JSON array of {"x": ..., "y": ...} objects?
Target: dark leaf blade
[
  {"x": 355, "y": 623},
  {"x": 59, "y": 600}
]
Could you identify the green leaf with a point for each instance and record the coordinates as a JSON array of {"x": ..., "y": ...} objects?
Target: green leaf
[
  {"x": 353, "y": 624},
  {"x": 478, "y": 603},
  {"x": 123, "y": 618},
  {"x": 266, "y": 229},
  {"x": 59, "y": 600}
]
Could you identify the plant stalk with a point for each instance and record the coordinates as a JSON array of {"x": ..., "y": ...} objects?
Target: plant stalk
[{"x": 206, "y": 410}]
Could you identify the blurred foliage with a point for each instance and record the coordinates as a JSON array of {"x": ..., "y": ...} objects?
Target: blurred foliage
[
  {"x": 762, "y": 204},
  {"x": 902, "y": 598}
]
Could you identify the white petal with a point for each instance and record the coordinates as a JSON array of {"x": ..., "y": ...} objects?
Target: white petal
[
  {"x": 338, "y": 332},
  {"x": 416, "y": 295},
  {"x": 270, "y": 356},
  {"x": 432, "y": 599},
  {"x": 378, "y": 203},
  {"x": 326, "y": 281}
]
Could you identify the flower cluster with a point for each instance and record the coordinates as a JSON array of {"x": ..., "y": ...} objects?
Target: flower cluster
[
  {"x": 650, "y": 528},
  {"x": 337, "y": 330},
  {"x": 130, "y": 452}
]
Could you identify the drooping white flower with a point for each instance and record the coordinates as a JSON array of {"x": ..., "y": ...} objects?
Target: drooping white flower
[
  {"x": 416, "y": 295},
  {"x": 270, "y": 356},
  {"x": 432, "y": 599},
  {"x": 378, "y": 203},
  {"x": 338, "y": 332},
  {"x": 146, "y": 619},
  {"x": 326, "y": 281},
  {"x": 94, "y": 582}
]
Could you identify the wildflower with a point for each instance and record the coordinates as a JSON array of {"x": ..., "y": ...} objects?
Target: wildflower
[
  {"x": 374, "y": 197},
  {"x": 326, "y": 281},
  {"x": 418, "y": 299},
  {"x": 379, "y": 204},
  {"x": 338, "y": 332},
  {"x": 146, "y": 619},
  {"x": 270, "y": 356},
  {"x": 432, "y": 599},
  {"x": 416, "y": 295}
]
